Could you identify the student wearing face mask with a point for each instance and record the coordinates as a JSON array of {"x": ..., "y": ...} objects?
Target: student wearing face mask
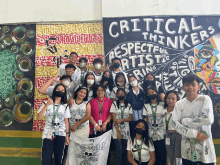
[
  {"x": 149, "y": 80},
  {"x": 66, "y": 80},
  {"x": 97, "y": 63},
  {"x": 107, "y": 82},
  {"x": 56, "y": 130},
  {"x": 154, "y": 115},
  {"x": 116, "y": 63},
  {"x": 83, "y": 67},
  {"x": 90, "y": 83},
  {"x": 72, "y": 60},
  {"x": 140, "y": 148},
  {"x": 136, "y": 99},
  {"x": 122, "y": 114},
  {"x": 120, "y": 82}
]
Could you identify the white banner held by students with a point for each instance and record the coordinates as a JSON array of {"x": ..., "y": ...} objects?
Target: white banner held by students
[{"x": 89, "y": 151}]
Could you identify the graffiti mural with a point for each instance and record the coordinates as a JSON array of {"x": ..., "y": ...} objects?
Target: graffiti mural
[
  {"x": 170, "y": 48},
  {"x": 17, "y": 72},
  {"x": 54, "y": 43}
]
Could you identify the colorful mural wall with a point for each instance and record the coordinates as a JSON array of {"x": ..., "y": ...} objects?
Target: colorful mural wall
[
  {"x": 17, "y": 75},
  {"x": 170, "y": 48},
  {"x": 53, "y": 45}
]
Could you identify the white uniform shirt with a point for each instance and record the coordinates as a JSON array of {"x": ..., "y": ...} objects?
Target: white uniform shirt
[
  {"x": 156, "y": 132},
  {"x": 167, "y": 116},
  {"x": 69, "y": 91},
  {"x": 76, "y": 75},
  {"x": 63, "y": 113},
  {"x": 123, "y": 128},
  {"x": 145, "y": 152},
  {"x": 98, "y": 77},
  {"x": 83, "y": 75},
  {"x": 78, "y": 111},
  {"x": 114, "y": 90},
  {"x": 188, "y": 118}
]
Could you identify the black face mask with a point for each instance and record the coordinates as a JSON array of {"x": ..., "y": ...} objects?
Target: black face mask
[
  {"x": 121, "y": 98},
  {"x": 153, "y": 96},
  {"x": 116, "y": 65},
  {"x": 105, "y": 78},
  {"x": 140, "y": 131},
  {"x": 149, "y": 82},
  {"x": 59, "y": 93}
]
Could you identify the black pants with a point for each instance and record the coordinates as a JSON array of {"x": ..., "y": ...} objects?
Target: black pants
[
  {"x": 142, "y": 163},
  {"x": 188, "y": 162},
  {"x": 55, "y": 146},
  {"x": 160, "y": 152}
]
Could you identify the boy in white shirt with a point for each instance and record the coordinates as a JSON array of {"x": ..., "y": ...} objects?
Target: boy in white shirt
[
  {"x": 192, "y": 118},
  {"x": 72, "y": 60}
]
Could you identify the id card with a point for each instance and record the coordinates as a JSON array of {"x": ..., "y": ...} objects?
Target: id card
[
  {"x": 49, "y": 135},
  {"x": 100, "y": 122},
  {"x": 168, "y": 141}
]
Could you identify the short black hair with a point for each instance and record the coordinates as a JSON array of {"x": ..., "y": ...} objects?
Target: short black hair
[
  {"x": 64, "y": 98},
  {"x": 65, "y": 77},
  {"x": 78, "y": 89},
  {"x": 165, "y": 98},
  {"x": 74, "y": 53},
  {"x": 116, "y": 58},
  {"x": 190, "y": 78},
  {"x": 131, "y": 75},
  {"x": 70, "y": 66},
  {"x": 83, "y": 58},
  {"x": 148, "y": 100},
  {"x": 97, "y": 60}
]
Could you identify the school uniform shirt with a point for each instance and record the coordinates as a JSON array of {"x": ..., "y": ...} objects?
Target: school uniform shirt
[
  {"x": 83, "y": 74},
  {"x": 107, "y": 92},
  {"x": 168, "y": 115},
  {"x": 69, "y": 91},
  {"x": 124, "y": 127},
  {"x": 113, "y": 92},
  {"x": 145, "y": 151},
  {"x": 98, "y": 77},
  {"x": 76, "y": 75},
  {"x": 95, "y": 110},
  {"x": 120, "y": 71},
  {"x": 78, "y": 111},
  {"x": 63, "y": 113},
  {"x": 188, "y": 118},
  {"x": 90, "y": 94},
  {"x": 156, "y": 132}
]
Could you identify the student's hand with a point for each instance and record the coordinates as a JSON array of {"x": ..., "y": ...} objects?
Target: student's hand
[
  {"x": 118, "y": 121},
  {"x": 55, "y": 78},
  {"x": 135, "y": 164},
  {"x": 201, "y": 137},
  {"x": 118, "y": 135},
  {"x": 49, "y": 102},
  {"x": 71, "y": 102},
  {"x": 107, "y": 67},
  {"x": 98, "y": 128},
  {"x": 67, "y": 140},
  {"x": 104, "y": 126},
  {"x": 74, "y": 127}
]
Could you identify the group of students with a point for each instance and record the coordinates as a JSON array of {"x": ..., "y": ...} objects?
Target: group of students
[{"x": 147, "y": 125}]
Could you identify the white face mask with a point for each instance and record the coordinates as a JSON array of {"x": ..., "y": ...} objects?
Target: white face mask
[
  {"x": 66, "y": 83},
  {"x": 98, "y": 66},
  {"x": 134, "y": 83},
  {"x": 90, "y": 82},
  {"x": 120, "y": 83},
  {"x": 82, "y": 64}
]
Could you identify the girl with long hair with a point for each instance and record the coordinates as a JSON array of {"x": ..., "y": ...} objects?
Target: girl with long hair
[
  {"x": 107, "y": 82},
  {"x": 56, "y": 129},
  {"x": 140, "y": 148}
]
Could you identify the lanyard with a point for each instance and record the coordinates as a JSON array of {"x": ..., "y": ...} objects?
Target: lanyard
[
  {"x": 55, "y": 113},
  {"x": 100, "y": 107},
  {"x": 138, "y": 147},
  {"x": 167, "y": 121},
  {"x": 122, "y": 111},
  {"x": 154, "y": 112}
]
